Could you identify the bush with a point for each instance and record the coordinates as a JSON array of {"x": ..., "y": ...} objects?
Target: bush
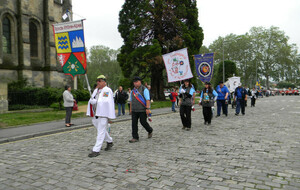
[
  {"x": 81, "y": 95},
  {"x": 18, "y": 98}
]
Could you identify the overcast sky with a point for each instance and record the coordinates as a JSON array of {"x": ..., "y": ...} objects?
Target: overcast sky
[{"x": 216, "y": 17}]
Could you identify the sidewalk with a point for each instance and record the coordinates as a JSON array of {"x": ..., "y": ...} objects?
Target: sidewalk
[{"x": 46, "y": 128}]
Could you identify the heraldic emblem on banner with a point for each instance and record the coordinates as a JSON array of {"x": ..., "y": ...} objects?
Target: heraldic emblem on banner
[
  {"x": 204, "y": 66},
  {"x": 177, "y": 65},
  {"x": 70, "y": 48}
]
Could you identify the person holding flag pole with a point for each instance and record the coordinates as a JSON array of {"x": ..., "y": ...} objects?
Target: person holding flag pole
[{"x": 102, "y": 108}]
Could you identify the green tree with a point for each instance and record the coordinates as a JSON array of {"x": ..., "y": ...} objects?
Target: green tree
[
  {"x": 272, "y": 51},
  {"x": 103, "y": 60},
  {"x": 230, "y": 70},
  {"x": 151, "y": 28}
]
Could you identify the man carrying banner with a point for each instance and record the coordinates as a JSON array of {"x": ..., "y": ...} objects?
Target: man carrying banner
[
  {"x": 186, "y": 101},
  {"x": 101, "y": 107},
  {"x": 139, "y": 108}
]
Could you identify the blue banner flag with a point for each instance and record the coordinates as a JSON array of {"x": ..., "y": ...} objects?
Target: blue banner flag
[{"x": 204, "y": 66}]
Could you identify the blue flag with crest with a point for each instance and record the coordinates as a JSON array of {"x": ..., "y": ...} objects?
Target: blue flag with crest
[{"x": 204, "y": 66}]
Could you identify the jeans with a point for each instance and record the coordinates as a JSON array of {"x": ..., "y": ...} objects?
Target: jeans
[
  {"x": 119, "y": 109},
  {"x": 173, "y": 106},
  {"x": 240, "y": 104},
  {"x": 221, "y": 104},
  {"x": 143, "y": 120}
]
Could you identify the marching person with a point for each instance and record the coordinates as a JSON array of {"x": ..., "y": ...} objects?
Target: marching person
[
  {"x": 186, "y": 101},
  {"x": 120, "y": 99},
  {"x": 240, "y": 96},
  {"x": 207, "y": 99},
  {"x": 253, "y": 96},
  {"x": 101, "y": 107},
  {"x": 68, "y": 104},
  {"x": 222, "y": 100},
  {"x": 139, "y": 108},
  {"x": 173, "y": 100}
]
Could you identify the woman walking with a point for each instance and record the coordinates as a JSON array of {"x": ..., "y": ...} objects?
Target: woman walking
[
  {"x": 186, "y": 101},
  {"x": 207, "y": 99},
  {"x": 68, "y": 104}
]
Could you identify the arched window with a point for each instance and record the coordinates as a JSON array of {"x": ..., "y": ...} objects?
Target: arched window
[
  {"x": 33, "y": 36},
  {"x": 6, "y": 37}
]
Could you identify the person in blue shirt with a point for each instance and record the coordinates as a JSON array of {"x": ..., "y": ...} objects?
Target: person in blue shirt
[
  {"x": 139, "y": 108},
  {"x": 207, "y": 100},
  {"x": 186, "y": 101},
  {"x": 222, "y": 100},
  {"x": 240, "y": 96}
]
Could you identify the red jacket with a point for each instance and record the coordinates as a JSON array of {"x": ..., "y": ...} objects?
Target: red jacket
[{"x": 174, "y": 94}]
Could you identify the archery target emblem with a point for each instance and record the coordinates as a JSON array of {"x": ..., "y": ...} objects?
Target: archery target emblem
[{"x": 204, "y": 69}]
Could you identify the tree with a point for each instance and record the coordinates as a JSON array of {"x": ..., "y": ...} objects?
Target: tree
[
  {"x": 151, "y": 28},
  {"x": 103, "y": 60},
  {"x": 272, "y": 51},
  {"x": 261, "y": 53},
  {"x": 230, "y": 70}
]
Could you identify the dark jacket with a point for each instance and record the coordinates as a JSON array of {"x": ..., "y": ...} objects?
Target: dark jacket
[{"x": 121, "y": 97}]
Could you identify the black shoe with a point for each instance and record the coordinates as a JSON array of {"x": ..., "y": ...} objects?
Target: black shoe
[
  {"x": 183, "y": 127},
  {"x": 226, "y": 115},
  {"x": 108, "y": 146},
  {"x": 93, "y": 154},
  {"x": 149, "y": 135},
  {"x": 218, "y": 116},
  {"x": 188, "y": 129},
  {"x": 205, "y": 122},
  {"x": 236, "y": 114},
  {"x": 208, "y": 123},
  {"x": 243, "y": 113}
]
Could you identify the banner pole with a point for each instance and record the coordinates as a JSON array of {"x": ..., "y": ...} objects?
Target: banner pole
[{"x": 88, "y": 84}]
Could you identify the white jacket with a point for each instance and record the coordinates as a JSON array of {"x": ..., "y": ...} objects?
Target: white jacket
[{"x": 105, "y": 106}]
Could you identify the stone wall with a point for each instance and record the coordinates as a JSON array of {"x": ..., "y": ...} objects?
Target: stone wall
[{"x": 44, "y": 69}]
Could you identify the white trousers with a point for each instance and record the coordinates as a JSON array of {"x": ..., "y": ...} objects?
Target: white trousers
[{"x": 102, "y": 134}]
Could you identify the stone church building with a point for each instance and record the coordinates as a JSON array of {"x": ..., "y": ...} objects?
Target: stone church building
[{"x": 27, "y": 48}]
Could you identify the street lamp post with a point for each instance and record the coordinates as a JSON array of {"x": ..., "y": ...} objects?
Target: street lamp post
[{"x": 223, "y": 64}]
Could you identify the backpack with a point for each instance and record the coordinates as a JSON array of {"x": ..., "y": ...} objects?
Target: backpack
[{"x": 171, "y": 96}]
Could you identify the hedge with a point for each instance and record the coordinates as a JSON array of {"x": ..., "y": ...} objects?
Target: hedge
[{"x": 42, "y": 96}]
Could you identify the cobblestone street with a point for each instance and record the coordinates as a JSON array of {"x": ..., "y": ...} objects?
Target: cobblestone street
[{"x": 260, "y": 150}]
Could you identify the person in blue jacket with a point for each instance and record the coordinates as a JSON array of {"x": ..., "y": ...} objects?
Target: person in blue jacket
[
  {"x": 207, "y": 100},
  {"x": 240, "y": 96},
  {"x": 222, "y": 100}
]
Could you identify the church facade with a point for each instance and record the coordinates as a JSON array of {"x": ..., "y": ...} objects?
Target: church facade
[{"x": 27, "y": 47}]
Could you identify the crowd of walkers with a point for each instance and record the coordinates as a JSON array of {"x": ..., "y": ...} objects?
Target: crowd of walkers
[{"x": 101, "y": 106}]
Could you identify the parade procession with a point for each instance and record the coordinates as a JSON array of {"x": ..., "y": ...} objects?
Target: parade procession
[{"x": 149, "y": 95}]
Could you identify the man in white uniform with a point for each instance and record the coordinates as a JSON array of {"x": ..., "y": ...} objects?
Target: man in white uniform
[{"x": 102, "y": 108}]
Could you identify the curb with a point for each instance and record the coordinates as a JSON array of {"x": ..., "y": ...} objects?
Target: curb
[{"x": 29, "y": 136}]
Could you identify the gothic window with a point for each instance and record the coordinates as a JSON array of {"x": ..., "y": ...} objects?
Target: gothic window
[
  {"x": 33, "y": 36},
  {"x": 6, "y": 36}
]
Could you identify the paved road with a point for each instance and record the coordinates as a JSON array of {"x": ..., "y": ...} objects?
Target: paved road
[{"x": 260, "y": 150}]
